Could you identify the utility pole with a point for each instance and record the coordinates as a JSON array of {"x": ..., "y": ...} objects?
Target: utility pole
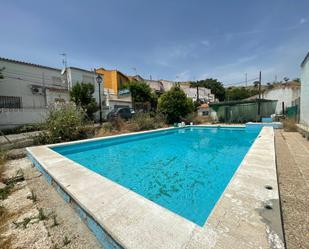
[
  {"x": 197, "y": 93},
  {"x": 259, "y": 101},
  {"x": 246, "y": 79}
]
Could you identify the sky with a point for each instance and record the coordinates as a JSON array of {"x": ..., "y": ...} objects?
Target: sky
[{"x": 163, "y": 39}]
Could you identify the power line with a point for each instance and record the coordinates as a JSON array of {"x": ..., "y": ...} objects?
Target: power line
[{"x": 241, "y": 82}]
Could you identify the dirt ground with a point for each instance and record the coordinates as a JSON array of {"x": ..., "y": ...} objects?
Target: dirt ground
[
  {"x": 292, "y": 152},
  {"x": 35, "y": 216}
]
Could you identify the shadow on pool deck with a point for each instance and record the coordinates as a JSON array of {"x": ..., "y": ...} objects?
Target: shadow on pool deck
[{"x": 292, "y": 152}]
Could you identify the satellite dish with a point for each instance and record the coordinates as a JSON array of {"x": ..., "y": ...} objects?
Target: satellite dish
[{"x": 63, "y": 71}]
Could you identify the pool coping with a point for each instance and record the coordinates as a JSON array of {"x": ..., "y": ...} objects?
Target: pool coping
[{"x": 121, "y": 218}]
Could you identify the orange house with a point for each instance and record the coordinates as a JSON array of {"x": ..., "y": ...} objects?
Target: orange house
[{"x": 113, "y": 79}]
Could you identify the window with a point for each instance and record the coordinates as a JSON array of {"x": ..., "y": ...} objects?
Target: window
[
  {"x": 10, "y": 102},
  {"x": 205, "y": 113}
]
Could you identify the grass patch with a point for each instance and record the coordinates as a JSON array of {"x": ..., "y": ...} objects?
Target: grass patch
[
  {"x": 3, "y": 159},
  {"x": 2, "y": 212},
  {"x": 55, "y": 222},
  {"x": 5, "y": 192},
  {"x": 41, "y": 215},
  {"x": 10, "y": 183},
  {"x": 32, "y": 197},
  {"x": 66, "y": 241}
]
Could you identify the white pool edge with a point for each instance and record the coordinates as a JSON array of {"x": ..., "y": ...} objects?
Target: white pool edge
[{"x": 132, "y": 221}]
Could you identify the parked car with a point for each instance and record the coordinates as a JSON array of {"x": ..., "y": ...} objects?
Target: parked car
[{"x": 124, "y": 113}]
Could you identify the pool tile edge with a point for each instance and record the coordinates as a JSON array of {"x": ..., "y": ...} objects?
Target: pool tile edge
[
  {"x": 239, "y": 219},
  {"x": 133, "y": 233}
]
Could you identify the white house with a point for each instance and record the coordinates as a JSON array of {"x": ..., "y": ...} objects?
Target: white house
[
  {"x": 286, "y": 94},
  {"x": 204, "y": 94},
  {"x": 304, "y": 98},
  {"x": 26, "y": 91}
]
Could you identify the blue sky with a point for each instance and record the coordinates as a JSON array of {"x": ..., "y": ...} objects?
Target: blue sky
[{"x": 171, "y": 39}]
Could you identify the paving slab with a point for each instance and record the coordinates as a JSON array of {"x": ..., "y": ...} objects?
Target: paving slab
[{"x": 292, "y": 151}]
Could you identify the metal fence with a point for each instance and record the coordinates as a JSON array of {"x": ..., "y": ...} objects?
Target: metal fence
[{"x": 243, "y": 111}]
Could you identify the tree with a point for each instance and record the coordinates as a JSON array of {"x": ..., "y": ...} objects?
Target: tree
[
  {"x": 286, "y": 79},
  {"x": 141, "y": 93},
  {"x": 175, "y": 104},
  {"x": 239, "y": 93},
  {"x": 256, "y": 83},
  {"x": 82, "y": 95},
  {"x": 214, "y": 85}
]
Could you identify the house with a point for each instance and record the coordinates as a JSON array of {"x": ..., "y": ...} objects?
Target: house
[
  {"x": 203, "y": 94},
  {"x": 203, "y": 110},
  {"x": 304, "y": 98},
  {"x": 113, "y": 79},
  {"x": 116, "y": 95},
  {"x": 155, "y": 85},
  {"x": 168, "y": 84},
  {"x": 287, "y": 94},
  {"x": 109, "y": 98},
  {"x": 27, "y": 90}
]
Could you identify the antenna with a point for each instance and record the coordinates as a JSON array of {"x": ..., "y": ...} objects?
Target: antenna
[
  {"x": 64, "y": 60},
  {"x": 134, "y": 69}
]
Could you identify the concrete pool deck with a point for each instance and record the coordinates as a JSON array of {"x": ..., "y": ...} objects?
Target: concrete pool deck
[{"x": 121, "y": 218}]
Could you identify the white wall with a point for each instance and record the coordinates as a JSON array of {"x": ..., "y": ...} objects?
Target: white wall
[
  {"x": 10, "y": 118},
  {"x": 19, "y": 79},
  {"x": 204, "y": 93},
  {"x": 282, "y": 94},
  {"x": 304, "y": 98}
]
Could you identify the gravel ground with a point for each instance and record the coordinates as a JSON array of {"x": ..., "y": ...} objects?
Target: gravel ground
[
  {"x": 70, "y": 232},
  {"x": 292, "y": 152}
]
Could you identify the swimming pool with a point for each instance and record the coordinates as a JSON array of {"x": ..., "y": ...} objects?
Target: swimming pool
[{"x": 184, "y": 170}]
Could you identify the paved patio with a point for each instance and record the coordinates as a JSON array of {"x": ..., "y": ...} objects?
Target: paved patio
[{"x": 292, "y": 151}]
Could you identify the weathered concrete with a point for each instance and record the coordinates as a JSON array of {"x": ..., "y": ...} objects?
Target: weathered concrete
[
  {"x": 42, "y": 234},
  {"x": 239, "y": 219},
  {"x": 292, "y": 151},
  {"x": 20, "y": 140}
]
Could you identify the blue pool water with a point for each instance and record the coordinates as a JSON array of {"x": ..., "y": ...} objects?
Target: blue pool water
[{"x": 184, "y": 170}]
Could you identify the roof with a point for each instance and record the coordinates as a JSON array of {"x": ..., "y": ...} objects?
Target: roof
[
  {"x": 236, "y": 102},
  {"x": 28, "y": 64},
  {"x": 305, "y": 60},
  {"x": 204, "y": 106},
  {"x": 81, "y": 69},
  {"x": 101, "y": 68}
]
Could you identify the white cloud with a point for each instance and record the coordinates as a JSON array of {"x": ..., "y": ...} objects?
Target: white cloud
[
  {"x": 183, "y": 76},
  {"x": 302, "y": 21},
  {"x": 206, "y": 43}
]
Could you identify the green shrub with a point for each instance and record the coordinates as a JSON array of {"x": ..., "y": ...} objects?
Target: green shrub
[
  {"x": 82, "y": 95},
  {"x": 175, "y": 105},
  {"x": 144, "y": 121},
  {"x": 63, "y": 124}
]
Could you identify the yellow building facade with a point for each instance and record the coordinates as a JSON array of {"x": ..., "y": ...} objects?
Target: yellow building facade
[{"x": 113, "y": 79}]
